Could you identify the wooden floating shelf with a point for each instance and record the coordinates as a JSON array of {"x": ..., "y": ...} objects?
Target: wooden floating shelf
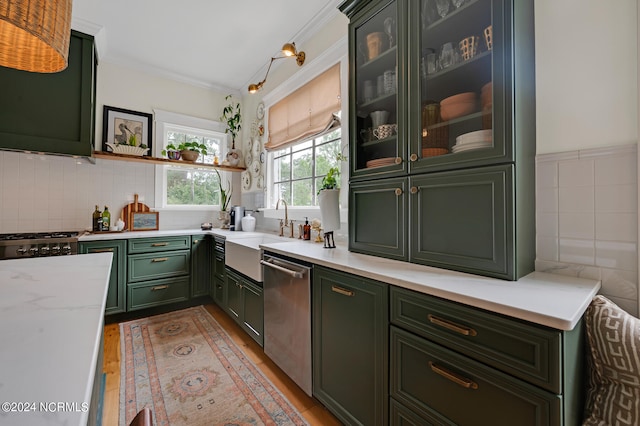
[{"x": 164, "y": 161}]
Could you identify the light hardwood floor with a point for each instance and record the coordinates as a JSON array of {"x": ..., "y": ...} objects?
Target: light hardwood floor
[{"x": 310, "y": 408}]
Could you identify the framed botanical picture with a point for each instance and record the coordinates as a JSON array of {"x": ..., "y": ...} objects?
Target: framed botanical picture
[
  {"x": 123, "y": 126},
  {"x": 144, "y": 221}
]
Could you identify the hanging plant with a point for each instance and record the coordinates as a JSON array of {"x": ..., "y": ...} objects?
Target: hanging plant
[{"x": 233, "y": 118}]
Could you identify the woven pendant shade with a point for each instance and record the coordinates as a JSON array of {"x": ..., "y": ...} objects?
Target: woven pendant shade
[{"x": 34, "y": 34}]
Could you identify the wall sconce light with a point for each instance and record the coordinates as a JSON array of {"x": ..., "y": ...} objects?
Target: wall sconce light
[
  {"x": 289, "y": 51},
  {"x": 34, "y": 34}
]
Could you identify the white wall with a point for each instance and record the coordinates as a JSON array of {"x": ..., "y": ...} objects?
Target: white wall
[{"x": 586, "y": 74}]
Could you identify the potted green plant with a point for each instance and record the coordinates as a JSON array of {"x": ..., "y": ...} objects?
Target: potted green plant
[
  {"x": 225, "y": 199},
  {"x": 232, "y": 117},
  {"x": 329, "y": 198},
  {"x": 330, "y": 180},
  {"x": 190, "y": 151}
]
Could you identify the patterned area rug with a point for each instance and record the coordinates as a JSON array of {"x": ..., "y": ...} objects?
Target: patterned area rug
[{"x": 188, "y": 370}]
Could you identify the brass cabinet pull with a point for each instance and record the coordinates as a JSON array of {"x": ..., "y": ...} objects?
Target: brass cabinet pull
[
  {"x": 413, "y": 157},
  {"x": 195, "y": 241},
  {"x": 454, "y": 377},
  {"x": 159, "y": 287},
  {"x": 342, "y": 291},
  {"x": 398, "y": 160},
  {"x": 449, "y": 325},
  {"x": 159, "y": 244},
  {"x": 398, "y": 191},
  {"x": 106, "y": 250},
  {"x": 414, "y": 189},
  {"x": 160, "y": 259}
]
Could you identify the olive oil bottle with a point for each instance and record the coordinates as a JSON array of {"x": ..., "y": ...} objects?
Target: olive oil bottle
[
  {"x": 106, "y": 219},
  {"x": 97, "y": 220}
]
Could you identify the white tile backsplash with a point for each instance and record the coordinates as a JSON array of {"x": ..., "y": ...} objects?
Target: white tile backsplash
[
  {"x": 54, "y": 193},
  {"x": 596, "y": 219},
  {"x": 574, "y": 173}
]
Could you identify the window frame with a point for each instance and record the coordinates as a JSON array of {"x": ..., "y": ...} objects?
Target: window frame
[
  {"x": 165, "y": 120},
  {"x": 336, "y": 53},
  {"x": 292, "y": 151}
]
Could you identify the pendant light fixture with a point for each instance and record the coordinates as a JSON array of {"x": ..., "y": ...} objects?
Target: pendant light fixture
[
  {"x": 289, "y": 51},
  {"x": 34, "y": 34}
]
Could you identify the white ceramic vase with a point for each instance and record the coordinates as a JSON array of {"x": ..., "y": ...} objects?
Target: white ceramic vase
[{"x": 329, "y": 201}]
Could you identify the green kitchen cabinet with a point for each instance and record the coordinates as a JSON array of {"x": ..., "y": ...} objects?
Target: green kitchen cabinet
[
  {"x": 406, "y": 59},
  {"x": 350, "y": 346},
  {"x": 245, "y": 304},
  {"x": 200, "y": 265},
  {"x": 455, "y": 220},
  {"x": 116, "y": 294},
  {"x": 446, "y": 355},
  {"x": 158, "y": 271},
  {"x": 218, "y": 278},
  {"x": 460, "y": 220},
  {"x": 378, "y": 212},
  {"x": 51, "y": 113}
]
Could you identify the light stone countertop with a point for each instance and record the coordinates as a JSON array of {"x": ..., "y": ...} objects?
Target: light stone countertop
[
  {"x": 552, "y": 300},
  {"x": 555, "y": 301},
  {"x": 52, "y": 314}
]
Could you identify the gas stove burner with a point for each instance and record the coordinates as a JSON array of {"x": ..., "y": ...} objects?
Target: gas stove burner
[
  {"x": 38, "y": 244},
  {"x": 37, "y": 236}
]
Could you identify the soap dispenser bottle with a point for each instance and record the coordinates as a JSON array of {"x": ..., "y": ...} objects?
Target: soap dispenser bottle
[{"x": 306, "y": 229}]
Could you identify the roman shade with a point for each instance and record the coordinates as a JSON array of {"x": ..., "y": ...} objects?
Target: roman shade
[{"x": 306, "y": 112}]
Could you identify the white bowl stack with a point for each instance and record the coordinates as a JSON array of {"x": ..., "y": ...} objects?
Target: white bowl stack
[{"x": 473, "y": 140}]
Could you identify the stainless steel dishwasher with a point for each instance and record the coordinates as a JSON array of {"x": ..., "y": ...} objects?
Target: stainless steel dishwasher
[{"x": 287, "y": 316}]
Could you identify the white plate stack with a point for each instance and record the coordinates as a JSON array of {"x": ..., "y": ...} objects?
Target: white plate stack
[
  {"x": 379, "y": 162},
  {"x": 473, "y": 140}
]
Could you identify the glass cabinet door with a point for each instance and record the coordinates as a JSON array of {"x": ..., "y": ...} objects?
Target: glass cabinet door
[
  {"x": 375, "y": 146},
  {"x": 455, "y": 82}
]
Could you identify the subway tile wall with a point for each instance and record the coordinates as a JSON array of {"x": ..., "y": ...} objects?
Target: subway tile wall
[
  {"x": 587, "y": 218},
  {"x": 55, "y": 193}
]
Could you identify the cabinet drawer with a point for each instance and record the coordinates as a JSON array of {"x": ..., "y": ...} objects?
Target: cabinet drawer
[
  {"x": 523, "y": 350},
  {"x": 150, "y": 266},
  {"x": 151, "y": 245},
  {"x": 159, "y": 292},
  {"x": 453, "y": 389}
]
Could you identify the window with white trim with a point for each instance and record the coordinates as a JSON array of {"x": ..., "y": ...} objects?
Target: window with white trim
[
  {"x": 189, "y": 187},
  {"x": 298, "y": 170}
]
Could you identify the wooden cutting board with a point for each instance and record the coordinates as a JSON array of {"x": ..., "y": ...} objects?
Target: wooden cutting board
[{"x": 130, "y": 208}]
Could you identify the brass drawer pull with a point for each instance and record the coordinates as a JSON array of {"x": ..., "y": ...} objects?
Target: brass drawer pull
[
  {"x": 159, "y": 259},
  {"x": 195, "y": 241},
  {"x": 106, "y": 250},
  {"x": 159, "y": 244},
  {"x": 342, "y": 291},
  {"x": 449, "y": 325},
  {"x": 159, "y": 287},
  {"x": 454, "y": 377},
  {"x": 398, "y": 191}
]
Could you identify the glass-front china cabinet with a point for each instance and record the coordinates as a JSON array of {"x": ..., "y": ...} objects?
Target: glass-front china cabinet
[{"x": 442, "y": 140}]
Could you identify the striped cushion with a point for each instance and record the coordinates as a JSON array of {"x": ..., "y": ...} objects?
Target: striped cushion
[{"x": 613, "y": 343}]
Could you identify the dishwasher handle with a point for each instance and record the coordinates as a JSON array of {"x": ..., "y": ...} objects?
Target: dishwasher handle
[{"x": 293, "y": 273}]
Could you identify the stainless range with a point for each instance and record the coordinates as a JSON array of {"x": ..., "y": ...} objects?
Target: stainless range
[{"x": 38, "y": 244}]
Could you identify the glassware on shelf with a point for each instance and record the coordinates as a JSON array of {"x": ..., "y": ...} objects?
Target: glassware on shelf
[
  {"x": 390, "y": 29},
  {"x": 447, "y": 55},
  {"x": 443, "y": 7}
]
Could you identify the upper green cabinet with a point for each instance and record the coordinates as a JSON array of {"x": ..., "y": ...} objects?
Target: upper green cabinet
[
  {"x": 51, "y": 113},
  {"x": 442, "y": 133}
]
